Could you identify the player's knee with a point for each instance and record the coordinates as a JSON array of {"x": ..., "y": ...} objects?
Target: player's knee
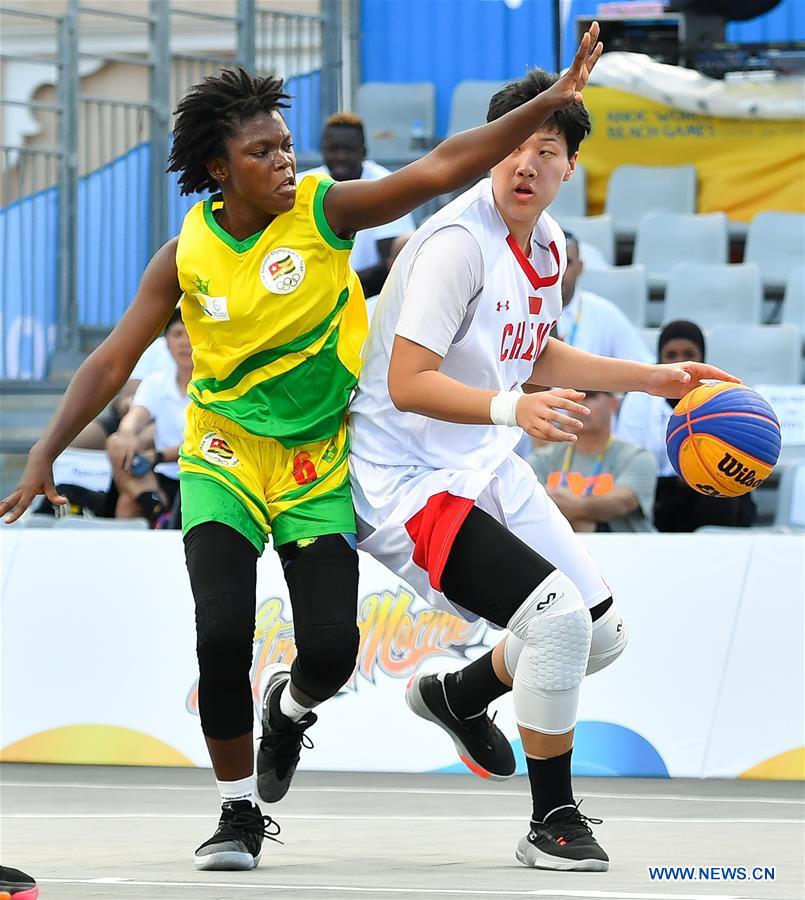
[
  {"x": 325, "y": 661},
  {"x": 555, "y": 628},
  {"x": 609, "y": 639}
]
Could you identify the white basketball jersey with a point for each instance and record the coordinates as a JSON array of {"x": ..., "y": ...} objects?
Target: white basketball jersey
[{"x": 502, "y": 335}]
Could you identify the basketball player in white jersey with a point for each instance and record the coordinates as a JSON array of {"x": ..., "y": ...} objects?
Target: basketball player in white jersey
[{"x": 462, "y": 325}]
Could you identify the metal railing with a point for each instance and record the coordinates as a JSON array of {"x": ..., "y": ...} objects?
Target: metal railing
[{"x": 85, "y": 203}]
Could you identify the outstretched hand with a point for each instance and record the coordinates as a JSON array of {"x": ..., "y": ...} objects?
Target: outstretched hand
[
  {"x": 568, "y": 87},
  {"x": 36, "y": 479},
  {"x": 675, "y": 380}
]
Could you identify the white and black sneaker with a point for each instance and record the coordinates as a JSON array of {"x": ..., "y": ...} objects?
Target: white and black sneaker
[
  {"x": 563, "y": 841},
  {"x": 481, "y": 745},
  {"x": 282, "y": 740},
  {"x": 238, "y": 840}
]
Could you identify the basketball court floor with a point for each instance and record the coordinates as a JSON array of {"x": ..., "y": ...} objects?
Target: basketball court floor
[{"x": 99, "y": 833}]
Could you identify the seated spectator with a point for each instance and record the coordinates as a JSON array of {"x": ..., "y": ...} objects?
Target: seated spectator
[
  {"x": 396, "y": 248},
  {"x": 343, "y": 150},
  {"x": 148, "y": 480},
  {"x": 591, "y": 322},
  {"x": 599, "y": 483},
  {"x": 643, "y": 420},
  {"x": 156, "y": 358}
]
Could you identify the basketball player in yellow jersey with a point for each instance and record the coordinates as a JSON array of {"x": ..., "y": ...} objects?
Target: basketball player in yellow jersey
[{"x": 276, "y": 321}]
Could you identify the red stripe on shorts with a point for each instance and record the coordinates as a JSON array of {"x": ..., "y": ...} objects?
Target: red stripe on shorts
[{"x": 433, "y": 530}]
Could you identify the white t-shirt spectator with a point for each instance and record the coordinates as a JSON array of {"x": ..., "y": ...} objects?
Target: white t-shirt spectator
[
  {"x": 161, "y": 396},
  {"x": 156, "y": 358},
  {"x": 594, "y": 324},
  {"x": 364, "y": 254},
  {"x": 643, "y": 420}
]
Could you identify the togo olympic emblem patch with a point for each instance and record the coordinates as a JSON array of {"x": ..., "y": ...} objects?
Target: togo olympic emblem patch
[
  {"x": 282, "y": 270},
  {"x": 216, "y": 450}
]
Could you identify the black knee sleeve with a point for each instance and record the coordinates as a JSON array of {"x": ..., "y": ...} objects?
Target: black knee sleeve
[
  {"x": 322, "y": 581},
  {"x": 222, "y": 565},
  {"x": 325, "y": 658},
  {"x": 490, "y": 571}
]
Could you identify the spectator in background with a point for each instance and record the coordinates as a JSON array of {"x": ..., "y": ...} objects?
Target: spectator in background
[
  {"x": 599, "y": 483},
  {"x": 593, "y": 323},
  {"x": 148, "y": 480},
  {"x": 343, "y": 150},
  {"x": 643, "y": 420},
  {"x": 157, "y": 358},
  {"x": 396, "y": 247}
]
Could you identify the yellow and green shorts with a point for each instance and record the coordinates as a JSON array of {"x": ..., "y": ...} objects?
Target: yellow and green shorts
[{"x": 257, "y": 486}]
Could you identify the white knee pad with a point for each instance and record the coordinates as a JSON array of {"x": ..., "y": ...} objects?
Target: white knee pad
[
  {"x": 609, "y": 640},
  {"x": 556, "y": 629}
]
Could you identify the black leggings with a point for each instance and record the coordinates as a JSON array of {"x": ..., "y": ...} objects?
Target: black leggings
[
  {"x": 490, "y": 571},
  {"x": 322, "y": 581}
]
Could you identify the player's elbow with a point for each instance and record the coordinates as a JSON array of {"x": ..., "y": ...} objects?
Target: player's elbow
[{"x": 399, "y": 392}]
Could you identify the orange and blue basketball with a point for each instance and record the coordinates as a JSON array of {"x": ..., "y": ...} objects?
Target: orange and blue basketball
[{"x": 723, "y": 439}]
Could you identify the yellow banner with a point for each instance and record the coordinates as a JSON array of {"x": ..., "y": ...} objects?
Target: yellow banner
[{"x": 744, "y": 166}]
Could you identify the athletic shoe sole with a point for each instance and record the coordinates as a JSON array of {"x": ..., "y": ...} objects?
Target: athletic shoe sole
[
  {"x": 227, "y": 861},
  {"x": 30, "y": 893},
  {"x": 534, "y": 858},
  {"x": 416, "y": 703}
]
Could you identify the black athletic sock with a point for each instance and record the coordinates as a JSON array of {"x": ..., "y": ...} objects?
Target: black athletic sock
[
  {"x": 550, "y": 783},
  {"x": 471, "y": 689},
  {"x": 150, "y": 505}
]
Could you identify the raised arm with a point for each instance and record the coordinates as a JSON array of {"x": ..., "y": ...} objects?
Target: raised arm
[
  {"x": 352, "y": 205},
  {"x": 565, "y": 366},
  {"x": 99, "y": 378}
]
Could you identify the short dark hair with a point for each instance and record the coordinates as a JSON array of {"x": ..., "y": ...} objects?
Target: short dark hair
[
  {"x": 345, "y": 120},
  {"x": 573, "y": 121},
  {"x": 176, "y": 316},
  {"x": 211, "y": 112}
]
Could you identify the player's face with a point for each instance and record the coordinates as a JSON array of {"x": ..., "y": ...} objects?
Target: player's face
[
  {"x": 528, "y": 180},
  {"x": 343, "y": 152},
  {"x": 260, "y": 166},
  {"x": 680, "y": 350},
  {"x": 179, "y": 345}
]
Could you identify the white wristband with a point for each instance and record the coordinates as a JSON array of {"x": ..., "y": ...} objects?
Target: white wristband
[{"x": 502, "y": 408}]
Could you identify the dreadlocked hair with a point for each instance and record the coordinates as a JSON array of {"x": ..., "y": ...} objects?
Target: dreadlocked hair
[{"x": 211, "y": 112}]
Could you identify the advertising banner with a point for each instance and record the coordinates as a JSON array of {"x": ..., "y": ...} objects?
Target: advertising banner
[{"x": 98, "y": 658}]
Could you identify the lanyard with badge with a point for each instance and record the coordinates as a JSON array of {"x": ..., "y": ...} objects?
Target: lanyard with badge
[
  {"x": 571, "y": 338},
  {"x": 599, "y": 464}
]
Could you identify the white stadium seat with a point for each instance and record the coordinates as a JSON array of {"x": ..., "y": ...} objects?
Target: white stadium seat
[
  {"x": 596, "y": 230},
  {"x": 776, "y": 242},
  {"x": 625, "y": 286},
  {"x": 389, "y": 111},
  {"x": 757, "y": 354},
  {"x": 469, "y": 104},
  {"x": 711, "y": 295},
  {"x": 665, "y": 240},
  {"x": 635, "y": 191}
]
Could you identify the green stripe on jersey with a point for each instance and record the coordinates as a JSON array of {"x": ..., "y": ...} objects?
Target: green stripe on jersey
[
  {"x": 272, "y": 354},
  {"x": 300, "y": 406}
]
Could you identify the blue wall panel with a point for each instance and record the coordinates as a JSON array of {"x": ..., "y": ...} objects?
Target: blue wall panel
[
  {"x": 785, "y": 22},
  {"x": 447, "y": 41}
]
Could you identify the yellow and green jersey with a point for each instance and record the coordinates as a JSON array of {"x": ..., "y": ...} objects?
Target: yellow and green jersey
[{"x": 276, "y": 321}]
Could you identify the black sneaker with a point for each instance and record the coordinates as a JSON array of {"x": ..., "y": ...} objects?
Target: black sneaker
[
  {"x": 481, "y": 745},
  {"x": 563, "y": 841},
  {"x": 17, "y": 884},
  {"x": 282, "y": 741},
  {"x": 237, "y": 843}
]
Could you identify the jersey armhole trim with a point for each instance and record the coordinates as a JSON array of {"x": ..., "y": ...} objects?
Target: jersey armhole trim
[{"x": 320, "y": 218}]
